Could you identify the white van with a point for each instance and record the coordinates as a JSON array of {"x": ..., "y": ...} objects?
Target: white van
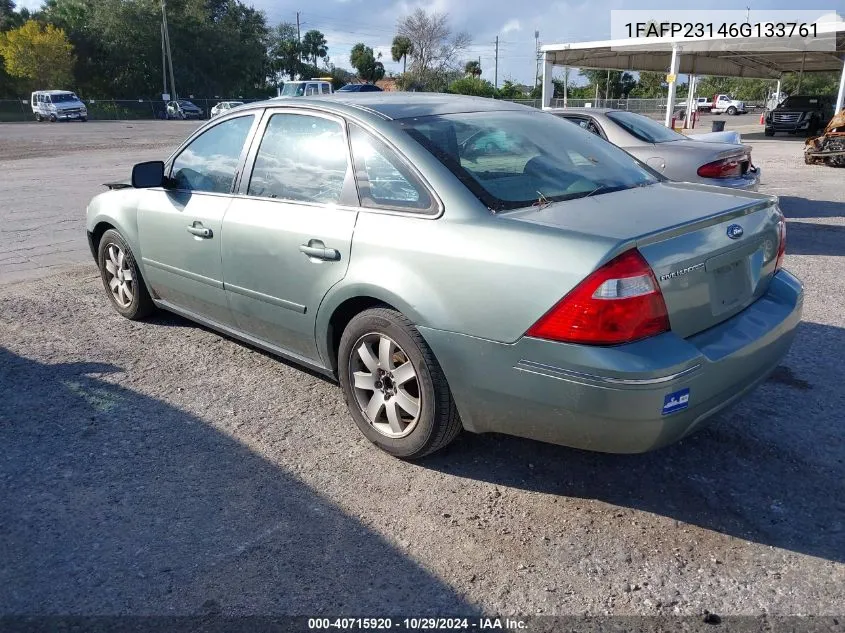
[
  {"x": 58, "y": 105},
  {"x": 309, "y": 88}
]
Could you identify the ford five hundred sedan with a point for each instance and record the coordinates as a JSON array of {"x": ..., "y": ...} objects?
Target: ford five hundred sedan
[{"x": 459, "y": 263}]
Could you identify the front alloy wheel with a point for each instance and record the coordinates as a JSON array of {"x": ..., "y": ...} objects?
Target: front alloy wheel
[{"x": 121, "y": 277}]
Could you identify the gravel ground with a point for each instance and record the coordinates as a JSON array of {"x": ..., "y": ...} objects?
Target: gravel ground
[{"x": 158, "y": 468}]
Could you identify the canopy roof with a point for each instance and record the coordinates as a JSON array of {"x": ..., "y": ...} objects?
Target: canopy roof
[{"x": 747, "y": 57}]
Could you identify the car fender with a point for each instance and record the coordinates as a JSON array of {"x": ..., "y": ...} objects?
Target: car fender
[{"x": 119, "y": 209}]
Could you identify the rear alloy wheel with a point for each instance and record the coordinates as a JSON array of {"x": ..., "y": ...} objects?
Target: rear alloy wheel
[
  {"x": 732, "y": 110},
  {"x": 121, "y": 277},
  {"x": 394, "y": 387}
]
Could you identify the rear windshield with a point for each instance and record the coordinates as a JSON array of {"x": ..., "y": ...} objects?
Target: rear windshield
[
  {"x": 643, "y": 128},
  {"x": 293, "y": 90},
  {"x": 512, "y": 160},
  {"x": 801, "y": 102}
]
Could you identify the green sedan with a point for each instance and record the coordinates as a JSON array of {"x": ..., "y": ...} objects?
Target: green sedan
[{"x": 459, "y": 263}]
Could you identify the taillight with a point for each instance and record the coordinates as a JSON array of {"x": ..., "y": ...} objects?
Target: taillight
[
  {"x": 781, "y": 244},
  {"x": 618, "y": 303},
  {"x": 725, "y": 168}
]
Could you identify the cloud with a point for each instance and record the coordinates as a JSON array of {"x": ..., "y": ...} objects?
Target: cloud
[{"x": 510, "y": 26}]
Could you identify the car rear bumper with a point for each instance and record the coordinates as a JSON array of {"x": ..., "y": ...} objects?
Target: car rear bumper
[
  {"x": 614, "y": 399},
  {"x": 750, "y": 181}
]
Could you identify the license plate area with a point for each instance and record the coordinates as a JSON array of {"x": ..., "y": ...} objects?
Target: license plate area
[{"x": 730, "y": 286}]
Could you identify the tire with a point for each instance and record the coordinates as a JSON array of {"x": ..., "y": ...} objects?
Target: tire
[
  {"x": 109, "y": 259},
  {"x": 38, "y": 118},
  {"x": 83, "y": 119},
  {"x": 436, "y": 422},
  {"x": 731, "y": 111},
  {"x": 769, "y": 132},
  {"x": 53, "y": 118}
]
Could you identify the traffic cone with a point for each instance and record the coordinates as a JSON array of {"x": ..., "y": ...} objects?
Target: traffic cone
[{"x": 763, "y": 119}]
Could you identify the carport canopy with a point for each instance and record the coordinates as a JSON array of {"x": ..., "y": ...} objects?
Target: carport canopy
[{"x": 751, "y": 57}]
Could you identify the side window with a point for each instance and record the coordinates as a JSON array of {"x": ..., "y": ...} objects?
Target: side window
[
  {"x": 384, "y": 180},
  {"x": 210, "y": 161},
  {"x": 324, "y": 88},
  {"x": 302, "y": 158},
  {"x": 311, "y": 89}
]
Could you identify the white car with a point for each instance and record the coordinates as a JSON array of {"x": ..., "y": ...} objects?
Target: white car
[
  {"x": 224, "y": 106},
  {"x": 728, "y": 105},
  {"x": 306, "y": 88}
]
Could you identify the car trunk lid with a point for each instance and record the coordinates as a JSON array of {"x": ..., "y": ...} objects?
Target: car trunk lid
[{"x": 713, "y": 253}]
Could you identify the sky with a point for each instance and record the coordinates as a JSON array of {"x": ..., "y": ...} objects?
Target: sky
[{"x": 346, "y": 22}]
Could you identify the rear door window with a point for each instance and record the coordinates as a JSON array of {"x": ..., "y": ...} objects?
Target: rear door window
[{"x": 302, "y": 158}]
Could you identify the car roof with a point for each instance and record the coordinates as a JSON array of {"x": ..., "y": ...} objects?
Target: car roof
[
  {"x": 55, "y": 92},
  {"x": 402, "y": 105},
  {"x": 582, "y": 110}
]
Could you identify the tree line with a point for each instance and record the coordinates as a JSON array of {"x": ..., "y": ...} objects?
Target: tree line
[{"x": 225, "y": 48}]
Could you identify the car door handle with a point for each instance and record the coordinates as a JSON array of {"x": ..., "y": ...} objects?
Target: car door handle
[
  {"x": 318, "y": 250},
  {"x": 200, "y": 231}
]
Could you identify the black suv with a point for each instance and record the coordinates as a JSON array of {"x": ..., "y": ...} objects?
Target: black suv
[{"x": 800, "y": 113}]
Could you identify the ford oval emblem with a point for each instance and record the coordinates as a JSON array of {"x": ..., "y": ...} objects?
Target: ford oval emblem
[{"x": 735, "y": 231}]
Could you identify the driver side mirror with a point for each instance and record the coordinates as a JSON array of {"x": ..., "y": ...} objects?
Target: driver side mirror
[{"x": 149, "y": 174}]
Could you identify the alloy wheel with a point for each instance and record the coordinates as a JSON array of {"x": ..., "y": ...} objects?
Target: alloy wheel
[
  {"x": 119, "y": 276},
  {"x": 385, "y": 384}
]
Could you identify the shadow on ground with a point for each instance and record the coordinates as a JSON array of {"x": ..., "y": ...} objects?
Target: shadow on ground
[
  {"x": 116, "y": 503},
  {"x": 813, "y": 238},
  {"x": 754, "y": 474}
]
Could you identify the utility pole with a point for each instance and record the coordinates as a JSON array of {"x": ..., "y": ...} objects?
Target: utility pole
[
  {"x": 607, "y": 88},
  {"x": 537, "y": 58},
  {"x": 298, "y": 37},
  {"x": 496, "y": 66},
  {"x": 174, "y": 96},
  {"x": 163, "y": 63}
]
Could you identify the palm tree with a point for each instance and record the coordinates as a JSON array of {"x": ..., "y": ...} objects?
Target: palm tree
[
  {"x": 473, "y": 68},
  {"x": 401, "y": 48},
  {"x": 314, "y": 45}
]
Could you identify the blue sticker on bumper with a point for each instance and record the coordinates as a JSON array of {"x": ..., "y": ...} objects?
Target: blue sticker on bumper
[{"x": 676, "y": 401}]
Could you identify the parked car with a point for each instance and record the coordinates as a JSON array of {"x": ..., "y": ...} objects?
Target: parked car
[
  {"x": 183, "y": 109},
  {"x": 807, "y": 114},
  {"x": 57, "y": 105},
  {"x": 553, "y": 287},
  {"x": 676, "y": 156},
  {"x": 309, "y": 88},
  {"x": 728, "y": 105},
  {"x": 360, "y": 88},
  {"x": 224, "y": 106}
]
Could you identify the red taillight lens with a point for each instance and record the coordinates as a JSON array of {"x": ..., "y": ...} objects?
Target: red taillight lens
[
  {"x": 781, "y": 244},
  {"x": 618, "y": 303},
  {"x": 726, "y": 168}
]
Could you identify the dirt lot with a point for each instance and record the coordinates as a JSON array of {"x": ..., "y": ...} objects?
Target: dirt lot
[{"x": 157, "y": 468}]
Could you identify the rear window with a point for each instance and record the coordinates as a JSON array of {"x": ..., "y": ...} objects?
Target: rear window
[
  {"x": 645, "y": 129},
  {"x": 511, "y": 160}
]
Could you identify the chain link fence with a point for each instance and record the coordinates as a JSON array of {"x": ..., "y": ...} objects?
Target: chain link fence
[
  {"x": 110, "y": 109},
  {"x": 134, "y": 109}
]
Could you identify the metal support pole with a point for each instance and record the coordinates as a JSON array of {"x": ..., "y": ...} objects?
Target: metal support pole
[
  {"x": 174, "y": 96},
  {"x": 691, "y": 104},
  {"x": 496, "y": 66},
  {"x": 548, "y": 87},
  {"x": 673, "y": 73},
  {"x": 777, "y": 93},
  {"x": 565, "y": 85},
  {"x": 801, "y": 74},
  {"x": 163, "y": 63},
  {"x": 840, "y": 97}
]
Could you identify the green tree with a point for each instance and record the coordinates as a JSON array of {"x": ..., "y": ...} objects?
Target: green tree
[
  {"x": 314, "y": 46},
  {"x": 473, "y": 68},
  {"x": 9, "y": 18},
  {"x": 509, "y": 90},
  {"x": 650, "y": 86},
  {"x": 435, "y": 50},
  {"x": 615, "y": 83},
  {"x": 472, "y": 85},
  {"x": 42, "y": 56},
  {"x": 364, "y": 61},
  {"x": 400, "y": 49},
  {"x": 285, "y": 50}
]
